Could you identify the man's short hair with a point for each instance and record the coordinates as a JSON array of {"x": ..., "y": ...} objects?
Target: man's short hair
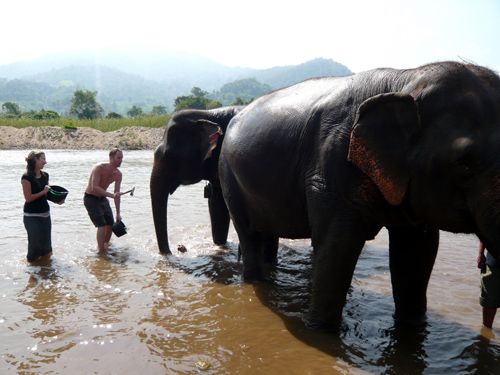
[{"x": 114, "y": 151}]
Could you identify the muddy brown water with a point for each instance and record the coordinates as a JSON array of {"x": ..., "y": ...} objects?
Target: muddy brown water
[{"x": 136, "y": 311}]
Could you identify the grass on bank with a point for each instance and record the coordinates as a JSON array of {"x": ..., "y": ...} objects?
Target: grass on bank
[{"x": 103, "y": 124}]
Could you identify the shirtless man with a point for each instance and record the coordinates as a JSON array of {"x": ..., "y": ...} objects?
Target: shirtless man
[{"x": 96, "y": 195}]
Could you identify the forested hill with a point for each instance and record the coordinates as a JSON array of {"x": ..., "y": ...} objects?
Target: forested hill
[{"x": 122, "y": 83}]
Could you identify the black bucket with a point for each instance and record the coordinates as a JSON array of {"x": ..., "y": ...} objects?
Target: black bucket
[
  {"x": 119, "y": 229},
  {"x": 57, "y": 194}
]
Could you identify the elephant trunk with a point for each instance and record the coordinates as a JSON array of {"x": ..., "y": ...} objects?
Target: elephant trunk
[{"x": 159, "y": 200}]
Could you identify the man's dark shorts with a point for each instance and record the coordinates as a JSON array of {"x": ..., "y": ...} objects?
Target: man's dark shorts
[{"x": 99, "y": 210}]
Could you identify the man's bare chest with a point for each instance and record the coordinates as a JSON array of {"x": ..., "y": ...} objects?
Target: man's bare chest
[{"x": 108, "y": 176}]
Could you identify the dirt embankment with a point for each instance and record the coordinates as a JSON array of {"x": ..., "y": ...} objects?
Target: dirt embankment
[{"x": 53, "y": 137}]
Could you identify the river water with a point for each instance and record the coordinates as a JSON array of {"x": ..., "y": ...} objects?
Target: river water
[{"x": 135, "y": 311}]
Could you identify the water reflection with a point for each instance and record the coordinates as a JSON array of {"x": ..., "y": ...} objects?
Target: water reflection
[
  {"x": 180, "y": 324},
  {"x": 108, "y": 301},
  {"x": 134, "y": 310},
  {"x": 370, "y": 339},
  {"x": 48, "y": 300}
]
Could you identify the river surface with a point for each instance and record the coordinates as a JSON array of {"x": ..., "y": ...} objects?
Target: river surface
[{"x": 134, "y": 311}]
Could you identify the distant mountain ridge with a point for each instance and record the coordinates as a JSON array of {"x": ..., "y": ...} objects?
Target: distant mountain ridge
[{"x": 144, "y": 79}]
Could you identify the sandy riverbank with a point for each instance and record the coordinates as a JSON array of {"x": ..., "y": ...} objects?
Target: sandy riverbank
[{"x": 53, "y": 137}]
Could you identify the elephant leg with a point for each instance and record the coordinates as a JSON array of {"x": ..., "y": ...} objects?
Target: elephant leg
[
  {"x": 270, "y": 250},
  {"x": 259, "y": 252},
  {"x": 250, "y": 252},
  {"x": 336, "y": 251},
  {"x": 219, "y": 215},
  {"x": 412, "y": 252}
]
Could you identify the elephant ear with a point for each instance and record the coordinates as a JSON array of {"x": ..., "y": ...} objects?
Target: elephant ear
[
  {"x": 211, "y": 132},
  {"x": 381, "y": 139},
  {"x": 193, "y": 137}
]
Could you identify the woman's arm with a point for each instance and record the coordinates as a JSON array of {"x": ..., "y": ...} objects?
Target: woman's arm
[{"x": 28, "y": 196}]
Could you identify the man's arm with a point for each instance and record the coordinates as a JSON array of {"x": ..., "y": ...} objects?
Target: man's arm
[
  {"x": 117, "y": 195},
  {"x": 481, "y": 259}
]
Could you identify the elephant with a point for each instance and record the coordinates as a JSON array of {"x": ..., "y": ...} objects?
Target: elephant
[
  {"x": 189, "y": 153},
  {"x": 336, "y": 159}
]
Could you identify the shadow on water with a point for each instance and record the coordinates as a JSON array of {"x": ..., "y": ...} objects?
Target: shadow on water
[
  {"x": 369, "y": 339},
  {"x": 220, "y": 266},
  {"x": 114, "y": 256}
]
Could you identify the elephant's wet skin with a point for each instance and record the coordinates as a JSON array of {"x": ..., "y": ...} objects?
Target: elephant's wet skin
[
  {"x": 369, "y": 339},
  {"x": 188, "y": 154},
  {"x": 336, "y": 159}
]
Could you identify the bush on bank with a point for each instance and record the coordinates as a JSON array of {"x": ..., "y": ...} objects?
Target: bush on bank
[{"x": 102, "y": 124}]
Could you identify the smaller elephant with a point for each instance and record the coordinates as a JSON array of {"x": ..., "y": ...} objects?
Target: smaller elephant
[{"x": 188, "y": 154}]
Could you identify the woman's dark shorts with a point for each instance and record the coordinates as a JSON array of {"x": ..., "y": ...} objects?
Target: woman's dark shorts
[{"x": 99, "y": 210}]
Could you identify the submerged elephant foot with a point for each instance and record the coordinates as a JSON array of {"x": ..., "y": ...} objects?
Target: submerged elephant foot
[
  {"x": 262, "y": 271},
  {"x": 252, "y": 275},
  {"x": 315, "y": 324},
  {"x": 410, "y": 319},
  {"x": 320, "y": 322}
]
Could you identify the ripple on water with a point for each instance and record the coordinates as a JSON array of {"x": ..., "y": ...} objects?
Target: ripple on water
[{"x": 134, "y": 310}]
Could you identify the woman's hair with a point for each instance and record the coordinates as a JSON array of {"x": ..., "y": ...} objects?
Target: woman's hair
[{"x": 31, "y": 161}]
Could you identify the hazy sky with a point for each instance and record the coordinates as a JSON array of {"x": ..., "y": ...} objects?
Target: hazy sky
[{"x": 361, "y": 34}]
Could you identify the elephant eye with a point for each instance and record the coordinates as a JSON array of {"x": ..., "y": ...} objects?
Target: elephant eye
[
  {"x": 469, "y": 166},
  {"x": 464, "y": 165}
]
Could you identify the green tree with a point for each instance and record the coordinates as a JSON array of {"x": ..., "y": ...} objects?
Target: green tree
[
  {"x": 211, "y": 104},
  {"x": 135, "y": 111},
  {"x": 29, "y": 114},
  {"x": 183, "y": 102},
  {"x": 239, "y": 101},
  {"x": 11, "y": 109},
  {"x": 196, "y": 100},
  {"x": 45, "y": 114},
  {"x": 85, "y": 106},
  {"x": 113, "y": 115},
  {"x": 197, "y": 92},
  {"x": 240, "y": 92},
  {"x": 159, "y": 110}
]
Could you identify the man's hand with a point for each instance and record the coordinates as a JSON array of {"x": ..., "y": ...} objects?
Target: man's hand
[
  {"x": 118, "y": 218},
  {"x": 481, "y": 262}
]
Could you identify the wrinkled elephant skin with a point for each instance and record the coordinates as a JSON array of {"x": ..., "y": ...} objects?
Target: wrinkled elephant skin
[
  {"x": 188, "y": 154},
  {"x": 336, "y": 159}
]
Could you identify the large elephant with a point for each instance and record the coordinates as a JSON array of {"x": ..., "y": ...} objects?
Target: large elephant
[
  {"x": 336, "y": 159},
  {"x": 188, "y": 154}
]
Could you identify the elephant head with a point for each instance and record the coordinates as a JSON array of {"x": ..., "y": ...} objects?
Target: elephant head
[
  {"x": 432, "y": 148},
  {"x": 189, "y": 153}
]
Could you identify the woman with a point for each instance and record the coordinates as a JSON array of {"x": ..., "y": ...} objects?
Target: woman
[{"x": 37, "y": 221}]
